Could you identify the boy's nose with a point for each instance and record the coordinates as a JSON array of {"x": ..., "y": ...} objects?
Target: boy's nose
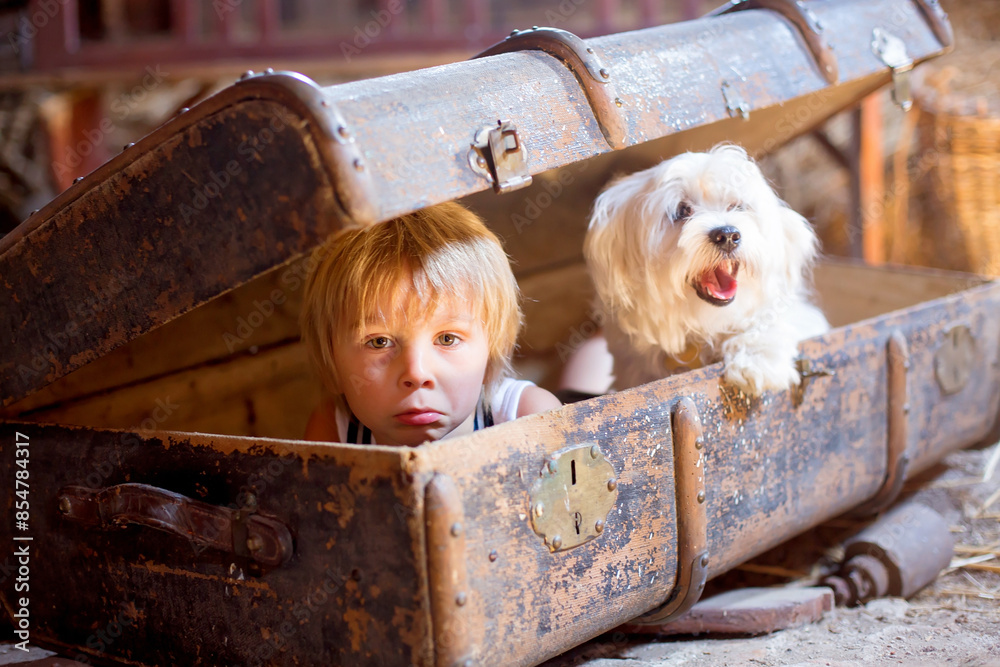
[{"x": 416, "y": 372}]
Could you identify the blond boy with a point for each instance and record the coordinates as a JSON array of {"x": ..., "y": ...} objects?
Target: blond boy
[{"x": 411, "y": 324}]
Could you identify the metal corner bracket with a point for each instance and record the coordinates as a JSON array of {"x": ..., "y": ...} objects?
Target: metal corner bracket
[
  {"x": 802, "y": 17},
  {"x": 593, "y": 75}
]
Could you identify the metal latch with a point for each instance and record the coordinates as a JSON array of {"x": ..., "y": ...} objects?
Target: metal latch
[
  {"x": 571, "y": 500},
  {"x": 891, "y": 50},
  {"x": 806, "y": 373},
  {"x": 499, "y": 154}
]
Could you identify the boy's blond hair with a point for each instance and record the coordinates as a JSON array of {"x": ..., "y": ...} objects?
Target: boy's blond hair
[{"x": 443, "y": 251}]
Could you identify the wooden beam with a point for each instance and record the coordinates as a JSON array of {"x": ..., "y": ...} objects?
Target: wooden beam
[{"x": 871, "y": 172}]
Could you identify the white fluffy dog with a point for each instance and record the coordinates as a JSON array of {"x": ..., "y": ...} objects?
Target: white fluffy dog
[{"x": 697, "y": 260}]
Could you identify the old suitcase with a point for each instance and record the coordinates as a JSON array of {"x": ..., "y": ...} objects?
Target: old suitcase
[{"x": 197, "y": 529}]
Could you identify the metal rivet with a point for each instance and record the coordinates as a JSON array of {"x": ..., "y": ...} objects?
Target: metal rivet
[
  {"x": 906, "y": 408},
  {"x": 78, "y": 179},
  {"x": 344, "y": 132},
  {"x": 605, "y": 73},
  {"x": 251, "y": 501},
  {"x": 701, "y": 496},
  {"x": 65, "y": 505},
  {"x": 513, "y": 33},
  {"x": 269, "y": 70},
  {"x": 456, "y": 529},
  {"x": 359, "y": 165},
  {"x": 599, "y": 526},
  {"x": 618, "y": 101},
  {"x": 539, "y": 509},
  {"x": 493, "y": 556},
  {"x": 612, "y": 485},
  {"x": 553, "y": 467},
  {"x": 246, "y": 75},
  {"x": 699, "y": 442},
  {"x": 184, "y": 110},
  {"x": 127, "y": 146},
  {"x": 595, "y": 451},
  {"x": 704, "y": 561},
  {"x": 534, "y": 27},
  {"x": 33, "y": 212},
  {"x": 255, "y": 543},
  {"x": 481, "y": 161},
  {"x": 556, "y": 541},
  {"x": 590, "y": 50},
  {"x": 461, "y": 599}
]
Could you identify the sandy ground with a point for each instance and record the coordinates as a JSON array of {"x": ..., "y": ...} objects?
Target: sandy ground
[{"x": 953, "y": 621}]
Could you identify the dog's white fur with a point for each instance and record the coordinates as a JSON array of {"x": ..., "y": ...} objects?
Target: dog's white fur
[{"x": 645, "y": 257}]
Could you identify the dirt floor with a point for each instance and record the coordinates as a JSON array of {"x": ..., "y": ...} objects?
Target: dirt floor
[{"x": 953, "y": 621}]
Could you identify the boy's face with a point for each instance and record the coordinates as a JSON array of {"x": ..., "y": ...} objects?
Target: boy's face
[{"x": 409, "y": 381}]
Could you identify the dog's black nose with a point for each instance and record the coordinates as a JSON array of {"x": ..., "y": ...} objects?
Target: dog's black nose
[{"x": 727, "y": 238}]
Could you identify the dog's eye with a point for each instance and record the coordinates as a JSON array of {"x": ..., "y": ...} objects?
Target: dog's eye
[
  {"x": 683, "y": 211},
  {"x": 735, "y": 206}
]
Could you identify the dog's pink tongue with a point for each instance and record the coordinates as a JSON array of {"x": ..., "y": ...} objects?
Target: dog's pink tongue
[{"x": 719, "y": 284}]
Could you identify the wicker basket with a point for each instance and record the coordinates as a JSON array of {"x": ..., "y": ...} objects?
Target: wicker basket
[{"x": 957, "y": 174}]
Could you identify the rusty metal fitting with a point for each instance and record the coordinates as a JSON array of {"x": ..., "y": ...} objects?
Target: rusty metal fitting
[{"x": 868, "y": 576}]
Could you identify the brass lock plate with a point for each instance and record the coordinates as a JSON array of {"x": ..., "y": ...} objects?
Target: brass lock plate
[
  {"x": 954, "y": 360},
  {"x": 571, "y": 500}
]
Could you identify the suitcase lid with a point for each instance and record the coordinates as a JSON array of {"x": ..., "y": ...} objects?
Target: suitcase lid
[{"x": 261, "y": 172}]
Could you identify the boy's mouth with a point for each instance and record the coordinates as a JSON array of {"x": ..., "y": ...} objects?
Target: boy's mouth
[{"x": 418, "y": 417}]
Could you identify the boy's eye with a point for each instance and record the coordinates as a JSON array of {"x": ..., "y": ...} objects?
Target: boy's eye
[
  {"x": 447, "y": 339},
  {"x": 379, "y": 342}
]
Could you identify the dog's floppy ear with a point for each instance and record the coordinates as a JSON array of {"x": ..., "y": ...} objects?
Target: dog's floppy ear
[
  {"x": 614, "y": 244},
  {"x": 801, "y": 245}
]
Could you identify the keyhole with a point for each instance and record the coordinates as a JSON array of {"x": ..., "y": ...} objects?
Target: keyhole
[
  {"x": 572, "y": 470},
  {"x": 577, "y": 520}
]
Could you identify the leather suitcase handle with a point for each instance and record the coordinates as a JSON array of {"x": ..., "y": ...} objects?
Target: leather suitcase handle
[{"x": 238, "y": 532}]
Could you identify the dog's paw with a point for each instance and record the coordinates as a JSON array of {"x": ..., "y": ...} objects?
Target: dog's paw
[{"x": 756, "y": 373}]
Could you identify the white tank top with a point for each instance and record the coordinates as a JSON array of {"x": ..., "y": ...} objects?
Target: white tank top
[{"x": 503, "y": 408}]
